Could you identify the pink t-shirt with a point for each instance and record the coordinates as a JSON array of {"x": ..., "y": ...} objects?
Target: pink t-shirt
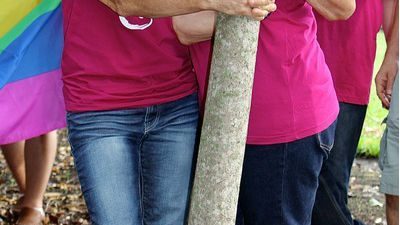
[
  {"x": 293, "y": 94},
  {"x": 110, "y": 62},
  {"x": 349, "y": 48},
  {"x": 201, "y": 58}
]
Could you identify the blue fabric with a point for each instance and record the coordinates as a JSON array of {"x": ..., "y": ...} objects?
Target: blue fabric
[
  {"x": 279, "y": 182},
  {"x": 135, "y": 165},
  {"x": 20, "y": 59},
  {"x": 331, "y": 201}
]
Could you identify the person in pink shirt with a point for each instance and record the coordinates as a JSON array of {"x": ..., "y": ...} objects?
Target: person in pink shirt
[
  {"x": 293, "y": 112},
  {"x": 349, "y": 48},
  {"x": 130, "y": 93}
]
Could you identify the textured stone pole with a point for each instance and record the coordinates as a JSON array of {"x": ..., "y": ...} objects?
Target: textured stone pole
[{"x": 220, "y": 160}]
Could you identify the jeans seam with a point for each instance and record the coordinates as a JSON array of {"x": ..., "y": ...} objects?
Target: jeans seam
[
  {"x": 154, "y": 123},
  {"x": 338, "y": 210},
  {"x": 283, "y": 181},
  {"x": 325, "y": 147},
  {"x": 141, "y": 182},
  {"x": 146, "y": 119}
]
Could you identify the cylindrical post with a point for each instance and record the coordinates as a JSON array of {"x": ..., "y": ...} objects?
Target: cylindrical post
[{"x": 223, "y": 139}]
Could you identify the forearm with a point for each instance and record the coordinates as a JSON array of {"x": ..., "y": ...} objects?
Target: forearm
[
  {"x": 165, "y": 8},
  {"x": 334, "y": 9},
  {"x": 155, "y": 8},
  {"x": 196, "y": 27},
  {"x": 389, "y": 8},
  {"x": 385, "y": 78},
  {"x": 392, "y": 40}
]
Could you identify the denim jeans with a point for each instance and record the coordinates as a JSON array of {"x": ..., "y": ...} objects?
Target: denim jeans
[
  {"x": 279, "y": 181},
  {"x": 134, "y": 165},
  {"x": 331, "y": 201}
]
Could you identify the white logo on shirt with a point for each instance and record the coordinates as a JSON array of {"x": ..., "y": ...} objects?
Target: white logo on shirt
[{"x": 130, "y": 26}]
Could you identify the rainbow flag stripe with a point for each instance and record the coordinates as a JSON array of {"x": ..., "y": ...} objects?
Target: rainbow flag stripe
[
  {"x": 21, "y": 39},
  {"x": 31, "y": 42}
]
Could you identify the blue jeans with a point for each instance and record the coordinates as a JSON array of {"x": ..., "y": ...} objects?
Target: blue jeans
[
  {"x": 279, "y": 182},
  {"x": 331, "y": 201},
  {"x": 134, "y": 165}
]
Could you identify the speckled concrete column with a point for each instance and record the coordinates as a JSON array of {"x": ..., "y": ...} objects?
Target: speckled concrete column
[{"x": 223, "y": 139}]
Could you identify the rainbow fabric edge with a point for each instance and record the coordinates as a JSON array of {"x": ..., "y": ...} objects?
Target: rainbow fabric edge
[{"x": 31, "y": 42}]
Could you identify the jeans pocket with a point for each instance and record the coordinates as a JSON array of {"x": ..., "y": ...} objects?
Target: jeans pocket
[{"x": 326, "y": 138}]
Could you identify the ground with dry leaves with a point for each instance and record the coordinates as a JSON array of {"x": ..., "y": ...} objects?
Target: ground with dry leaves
[{"x": 64, "y": 203}]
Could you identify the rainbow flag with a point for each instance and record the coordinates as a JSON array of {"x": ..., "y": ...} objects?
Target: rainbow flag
[{"x": 31, "y": 42}]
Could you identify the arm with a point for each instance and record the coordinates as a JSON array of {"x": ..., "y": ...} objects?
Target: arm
[
  {"x": 389, "y": 8},
  {"x": 197, "y": 27},
  {"x": 387, "y": 73},
  {"x": 334, "y": 9},
  {"x": 164, "y": 8}
]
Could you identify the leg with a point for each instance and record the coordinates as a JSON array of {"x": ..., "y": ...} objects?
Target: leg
[
  {"x": 331, "y": 200},
  {"x": 40, "y": 153},
  {"x": 39, "y": 158},
  {"x": 105, "y": 146},
  {"x": 392, "y": 209},
  {"x": 389, "y": 159},
  {"x": 166, "y": 161},
  {"x": 279, "y": 182},
  {"x": 14, "y": 155}
]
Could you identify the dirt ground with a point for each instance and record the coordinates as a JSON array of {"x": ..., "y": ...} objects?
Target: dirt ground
[
  {"x": 366, "y": 202},
  {"x": 64, "y": 204}
]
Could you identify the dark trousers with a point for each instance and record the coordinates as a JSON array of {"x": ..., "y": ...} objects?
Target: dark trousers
[
  {"x": 279, "y": 181},
  {"x": 331, "y": 201}
]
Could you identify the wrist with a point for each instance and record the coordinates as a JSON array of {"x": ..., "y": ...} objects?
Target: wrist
[{"x": 391, "y": 57}]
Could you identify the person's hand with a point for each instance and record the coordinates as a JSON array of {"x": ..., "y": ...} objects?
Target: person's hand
[
  {"x": 384, "y": 81},
  {"x": 264, "y": 11},
  {"x": 256, "y": 9}
]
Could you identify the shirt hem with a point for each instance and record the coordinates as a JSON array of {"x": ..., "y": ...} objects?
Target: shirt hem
[
  {"x": 293, "y": 137},
  {"x": 75, "y": 108},
  {"x": 353, "y": 100}
]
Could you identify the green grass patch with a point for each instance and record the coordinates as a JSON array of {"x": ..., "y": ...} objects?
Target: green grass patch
[{"x": 373, "y": 128}]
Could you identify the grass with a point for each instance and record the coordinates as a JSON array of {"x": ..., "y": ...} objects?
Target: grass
[{"x": 373, "y": 128}]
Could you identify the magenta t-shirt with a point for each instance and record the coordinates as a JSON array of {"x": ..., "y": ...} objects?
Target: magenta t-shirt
[
  {"x": 349, "y": 48},
  {"x": 201, "y": 58},
  {"x": 293, "y": 94},
  {"x": 111, "y": 62}
]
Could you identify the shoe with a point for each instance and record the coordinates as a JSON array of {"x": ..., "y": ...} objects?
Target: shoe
[{"x": 31, "y": 216}]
